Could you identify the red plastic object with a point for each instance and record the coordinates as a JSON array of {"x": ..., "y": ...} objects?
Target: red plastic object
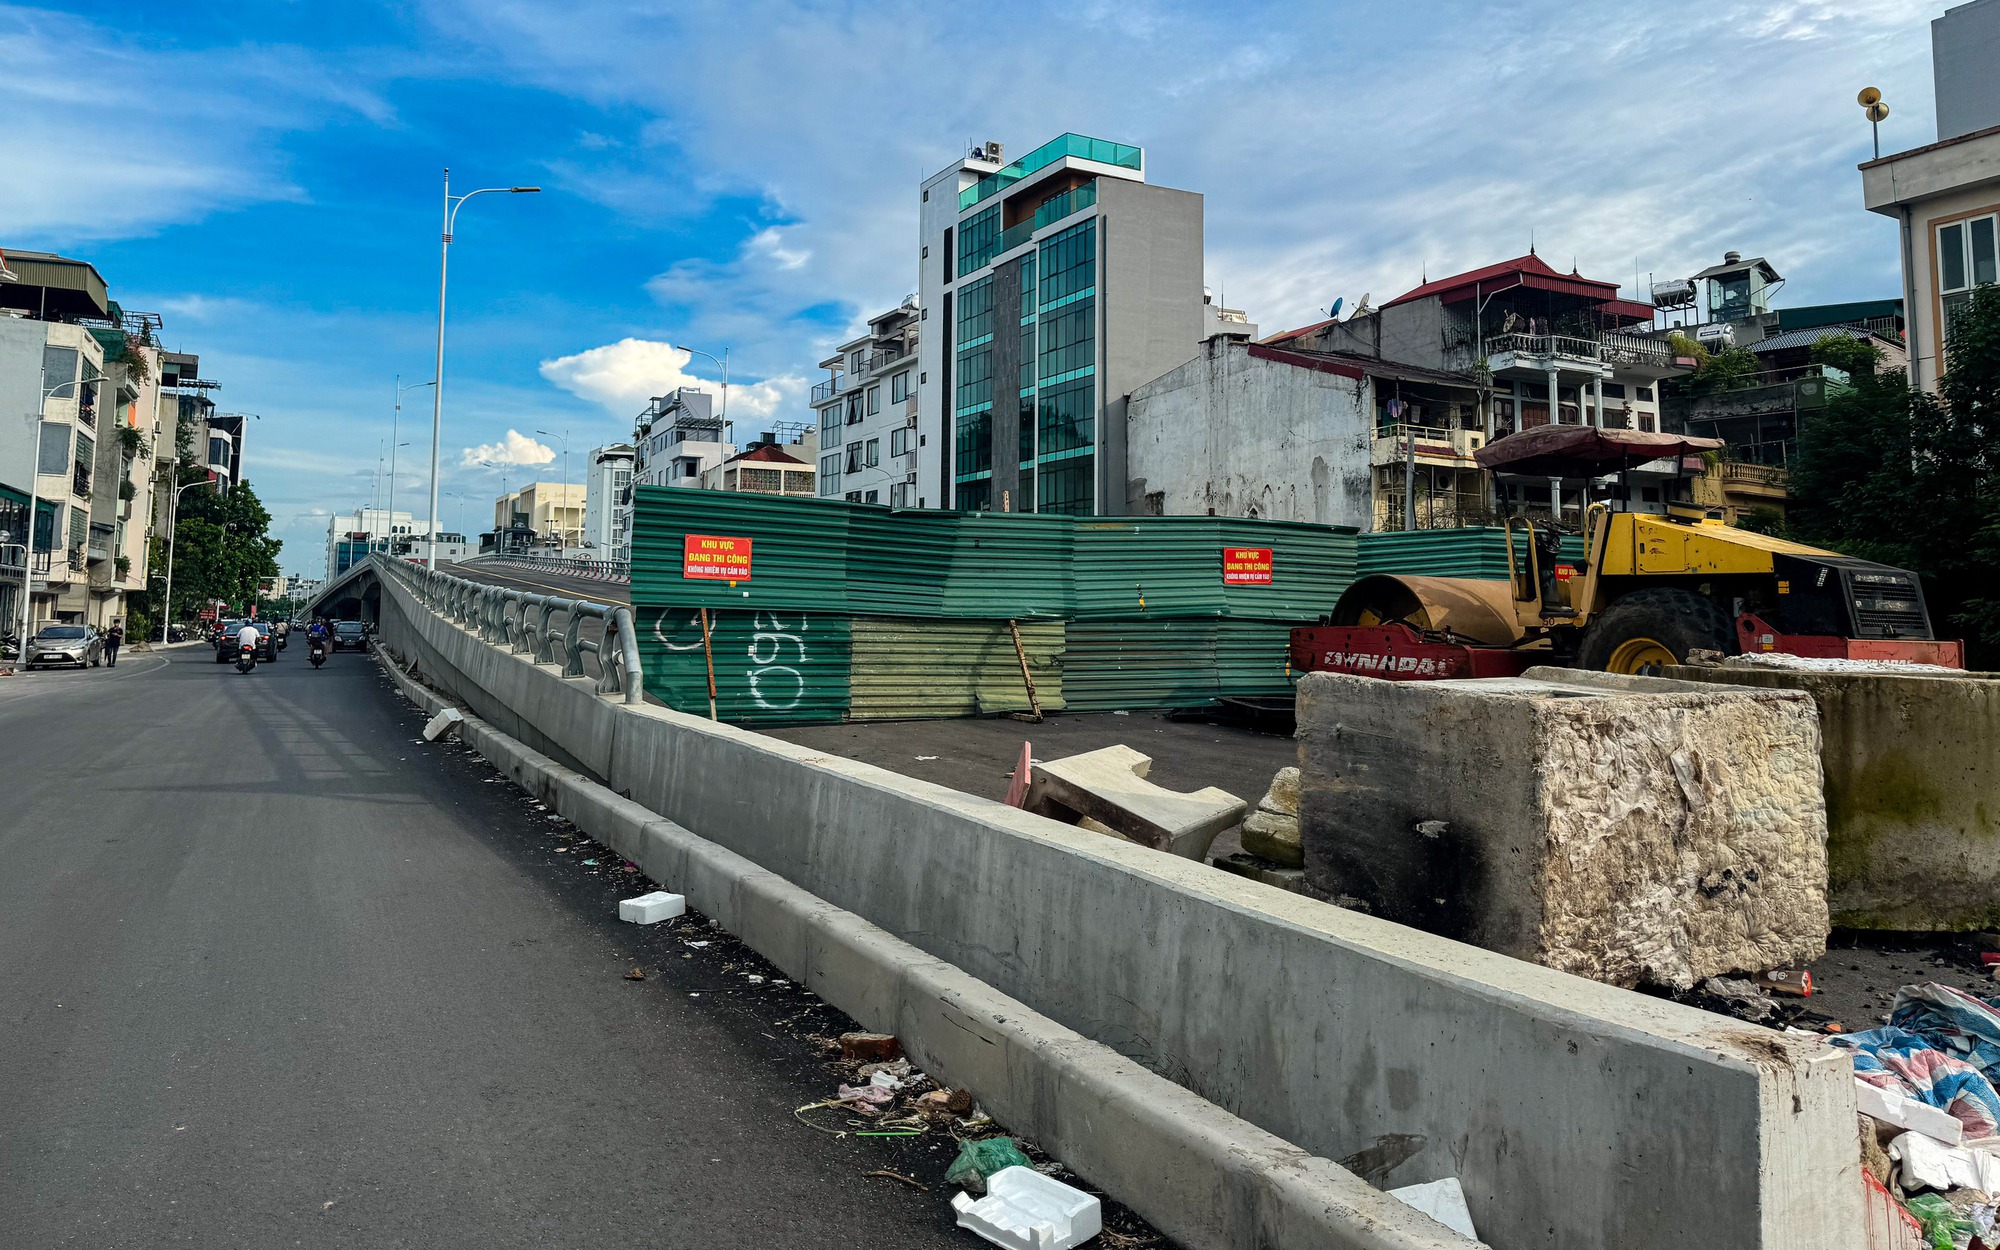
[
  {"x": 1397, "y": 652},
  {"x": 1988, "y": 958},
  {"x": 1754, "y": 635}
]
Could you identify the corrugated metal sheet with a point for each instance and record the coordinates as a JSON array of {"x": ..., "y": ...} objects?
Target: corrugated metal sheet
[
  {"x": 1009, "y": 565},
  {"x": 771, "y": 667},
  {"x": 1470, "y": 552},
  {"x": 907, "y": 669},
  {"x": 1150, "y": 568},
  {"x": 798, "y": 549},
  {"x": 1111, "y": 666}
]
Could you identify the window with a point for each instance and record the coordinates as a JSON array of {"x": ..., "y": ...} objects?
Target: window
[
  {"x": 899, "y": 387},
  {"x": 1646, "y": 393},
  {"x": 874, "y": 400},
  {"x": 975, "y": 313},
  {"x": 690, "y": 466},
  {"x": 874, "y": 452},
  {"x": 854, "y": 453},
  {"x": 854, "y": 413},
  {"x": 1069, "y": 339},
  {"x": 975, "y": 380},
  {"x": 55, "y": 447},
  {"x": 59, "y": 369},
  {"x": 1967, "y": 258},
  {"x": 899, "y": 441},
  {"x": 1069, "y": 263},
  {"x": 978, "y": 239},
  {"x": 873, "y": 496},
  {"x": 853, "y": 496},
  {"x": 1614, "y": 390},
  {"x": 1067, "y": 417},
  {"x": 1067, "y": 488},
  {"x": 829, "y": 417},
  {"x": 899, "y": 494},
  {"x": 829, "y": 468}
]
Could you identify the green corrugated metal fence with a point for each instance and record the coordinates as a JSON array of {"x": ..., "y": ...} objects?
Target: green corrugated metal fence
[
  {"x": 922, "y": 599},
  {"x": 1471, "y": 552}
]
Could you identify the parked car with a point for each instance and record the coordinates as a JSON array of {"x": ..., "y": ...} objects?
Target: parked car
[
  {"x": 65, "y": 644},
  {"x": 225, "y": 642},
  {"x": 350, "y": 636}
]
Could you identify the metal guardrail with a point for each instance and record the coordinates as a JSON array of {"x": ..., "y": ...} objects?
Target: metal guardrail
[
  {"x": 526, "y": 624},
  {"x": 602, "y": 570}
]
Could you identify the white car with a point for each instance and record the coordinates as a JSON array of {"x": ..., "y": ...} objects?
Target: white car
[{"x": 64, "y": 644}]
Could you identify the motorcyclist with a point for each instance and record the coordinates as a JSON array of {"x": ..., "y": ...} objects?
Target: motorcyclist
[
  {"x": 319, "y": 633},
  {"x": 249, "y": 636}
]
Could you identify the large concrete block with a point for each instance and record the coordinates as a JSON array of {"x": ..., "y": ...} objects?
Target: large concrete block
[
  {"x": 1109, "y": 786},
  {"x": 1627, "y": 837},
  {"x": 1912, "y": 764}
]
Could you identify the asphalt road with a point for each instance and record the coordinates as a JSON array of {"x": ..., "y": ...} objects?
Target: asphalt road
[{"x": 274, "y": 972}]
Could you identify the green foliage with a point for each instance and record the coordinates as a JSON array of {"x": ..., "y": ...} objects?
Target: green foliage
[
  {"x": 1764, "y": 521},
  {"x": 1681, "y": 345},
  {"x": 223, "y": 549},
  {"x": 126, "y": 490},
  {"x": 1726, "y": 370},
  {"x": 129, "y": 439},
  {"x": 1886, "y": 472},
  {"x": 1854, "y": 357}
]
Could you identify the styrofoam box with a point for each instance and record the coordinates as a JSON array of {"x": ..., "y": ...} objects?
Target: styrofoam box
[
  {"x": 1024, "y": 1210},
  {"x": 652, "y": 908}
]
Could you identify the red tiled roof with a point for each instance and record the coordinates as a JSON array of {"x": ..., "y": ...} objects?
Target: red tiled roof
[
  {"x": 1526, "y": 271},
  {"x": 769, "y": 453}
]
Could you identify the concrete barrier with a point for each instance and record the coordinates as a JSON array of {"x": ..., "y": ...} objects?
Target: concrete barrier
[
  {"x": 1650, "y": 833},
  {"x": 1577, "y": 1115},
  {"x": 1912, "y": 769}
]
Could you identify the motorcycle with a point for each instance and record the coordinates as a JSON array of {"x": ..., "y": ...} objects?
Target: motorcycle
[
  {"x": 316, "y": 652},
  {"x": 246, "y": 657}
]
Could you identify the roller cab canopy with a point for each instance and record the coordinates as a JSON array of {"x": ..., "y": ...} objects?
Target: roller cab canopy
[{"x": 1584, "y": 450}]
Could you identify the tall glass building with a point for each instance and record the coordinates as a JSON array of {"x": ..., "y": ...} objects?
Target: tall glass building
[{"x": 1054, "y": 286}]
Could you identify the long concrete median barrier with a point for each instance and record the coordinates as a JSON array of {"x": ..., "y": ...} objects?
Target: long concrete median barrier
[{"x": 1576, "y": 1115}]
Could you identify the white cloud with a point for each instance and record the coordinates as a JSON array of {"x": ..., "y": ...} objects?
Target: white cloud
[
  {"x": 626, "y": 375},
  {"x": 515, "y": 449}
]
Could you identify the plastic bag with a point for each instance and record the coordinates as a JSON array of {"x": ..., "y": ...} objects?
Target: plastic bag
[
  {"x": 978, "y": 1160},
  {"x": 1940, "y": 1221}
]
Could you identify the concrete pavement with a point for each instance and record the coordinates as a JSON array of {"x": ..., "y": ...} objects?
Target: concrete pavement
[{"x": 272, "y": 972}]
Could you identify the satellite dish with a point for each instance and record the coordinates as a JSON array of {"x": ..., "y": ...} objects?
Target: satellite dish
[
  {"x": 1333, "y": 313},
  {"x": 1869, "y": 96}
]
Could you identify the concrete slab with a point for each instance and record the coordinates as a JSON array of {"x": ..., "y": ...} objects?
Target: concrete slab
[
  {"x": 1109, "y": 786},
  {"x": 1912, "y": 766},
  {"x": 1629, "y": 837}
]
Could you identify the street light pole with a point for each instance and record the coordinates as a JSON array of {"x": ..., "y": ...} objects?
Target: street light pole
[
  {"x": 34, "y": 497},
  {"x": 451, "y": 206},
  {"x": 724, "y": 362},
  {"x": 173, "y": 541},
  {"x": 564, "y": 436},
  {"x": 395, "y": 423}
]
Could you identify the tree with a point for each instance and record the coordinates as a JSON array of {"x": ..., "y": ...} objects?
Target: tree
[
  {"x": 223, "y": 549},
  {"x": 1886, "y": 472}
]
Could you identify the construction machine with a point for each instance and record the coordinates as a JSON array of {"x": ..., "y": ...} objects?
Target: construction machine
[{"x": 1660, "y": 579}]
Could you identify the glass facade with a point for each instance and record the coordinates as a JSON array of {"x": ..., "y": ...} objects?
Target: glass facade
[
  {"x": 1083, "y": 147},
  {"x": 1054, "y": 385},
  {"x": 978, "y": 240}
]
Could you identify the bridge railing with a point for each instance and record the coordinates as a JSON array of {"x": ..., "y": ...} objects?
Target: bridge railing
[
  {"x": 599, "y": 570},
  {"x": 546, "y": 628}
]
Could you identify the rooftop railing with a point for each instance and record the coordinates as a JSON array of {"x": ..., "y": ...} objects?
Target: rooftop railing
[{"x": 1083, "y": 147}]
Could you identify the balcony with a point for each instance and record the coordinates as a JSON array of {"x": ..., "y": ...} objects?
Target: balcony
[
  {"x": 100, "y": 542},
  {"x": 1074, "y": 200},
  {"x": 1434, "y": 446},
  {"x": 825, "y": 390},
  {"x": 1532, "y": 355},
  {"x": 1082, "y": 147}
]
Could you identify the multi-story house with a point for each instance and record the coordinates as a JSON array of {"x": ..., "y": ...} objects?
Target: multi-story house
[
  {"x": 866, "y": 413},
  {"x": 552, "y": 511},
  {"x": 52, "y": 372},
  {"x": 121, "y": 509},
  {"x": 763, "y": 468},
  {"x": 674, "y": 441},
  {"x": 607, "y": 501},
  {"x": 1946, "y": 195},
  {"x": 1050, "y": 286},
  {"x": 1527, "y": 345}
]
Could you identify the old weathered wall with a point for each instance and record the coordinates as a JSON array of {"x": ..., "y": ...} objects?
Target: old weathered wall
[
  {"x": 1629, "y": 837},
  {"x": 1912, "y": 767},
  {"x": 1241, "y": 435}
]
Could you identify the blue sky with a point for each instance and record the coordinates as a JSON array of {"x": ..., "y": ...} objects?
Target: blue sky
[{"x": 264, "y": 174}]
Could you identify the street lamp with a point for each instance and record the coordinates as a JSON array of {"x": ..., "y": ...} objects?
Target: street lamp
[
  {"x": 34, "y": 495},
  {"x": 394, "y": 422},
  {"x": 724, "y": 362},
  {"x": 452, "y": 204},
  {"x": 173, "y": 541},
  {"x": 564, "y": 436}
]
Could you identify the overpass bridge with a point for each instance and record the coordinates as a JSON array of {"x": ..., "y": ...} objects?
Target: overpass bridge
[{"x": 1236, "y": 1062}]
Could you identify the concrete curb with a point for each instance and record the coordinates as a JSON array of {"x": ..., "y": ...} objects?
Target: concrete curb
[{"x": 1201, "y": 1175}]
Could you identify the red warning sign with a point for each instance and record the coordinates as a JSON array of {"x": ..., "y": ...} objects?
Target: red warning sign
[
  {"x": 706, "y": 557},
  {"x": 1246, "y": 566}
]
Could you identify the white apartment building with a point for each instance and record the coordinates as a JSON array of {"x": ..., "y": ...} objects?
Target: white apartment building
[
  {"x": 350, "y": 536},
  {"x": 866, "y": 414},
  {"x": 607, "y": 501},
  {"x": 553, "y": 511},
  {"x": 1051, "y": 287}
]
